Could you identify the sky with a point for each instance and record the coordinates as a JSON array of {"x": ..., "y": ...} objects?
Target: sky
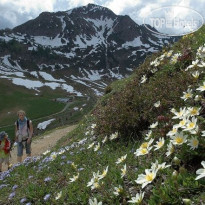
[{"x": 16, "y": 12}]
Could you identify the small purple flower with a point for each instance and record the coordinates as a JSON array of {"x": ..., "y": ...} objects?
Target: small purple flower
[
  {"x": 29, "y": 203},
  {"x": 47, "y": 179},
  {"x": 71, "y": 153},
  {"x": 3, "y": 185},
  {"x": 47, "y": 197},
  {"x": 62, "y": 163},
  {"x": 30, "y": 177},
  {"x": 23, "y": 200},
  {"x": 12, "y": 195},
  {"x": 69, "y": 162},
  {"x": 14, "y": 187},
  {"x": 80, "y": 169},
  {"x": 63, "y": 157}
]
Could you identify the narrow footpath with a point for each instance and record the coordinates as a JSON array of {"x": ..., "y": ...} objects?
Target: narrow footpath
[{"x": 42, "y": 143}]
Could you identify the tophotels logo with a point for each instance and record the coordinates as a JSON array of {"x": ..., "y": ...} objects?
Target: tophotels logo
[{"x": 173, "y": 21}]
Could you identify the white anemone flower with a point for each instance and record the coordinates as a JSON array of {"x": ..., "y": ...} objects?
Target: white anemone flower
[
  {"x": 142, "y": 151},
  {"x": 170, "y": 149},
  {"x": 74, "y": 178},
  {"x": 191, "y": 124},
  {"x": 114, "y": 136},
  {"x": 94, "y": 202},
  {"x": 59, "y": 195},
  {"x": 196, "y": 74},
  {"x": 124, "y": 171},
  {"x": 175, "y": 58},
  {"x": 147, "y": 144},
  {"x": 137, "y": 199},
  {"x": 154, "y": 125},
  {"x": 91, "y": 145},
  {"x": 193, "y": 143},
  {"x": 178, "y": 138},
  {"x": 94, "y": 182},
  {"x": 201, "y": 172},
  {"x": 148, "y": 135},
  {"x": 172, "y": 132},
  {"x": 97, "y": 147},
  {"x": 143, "y": 79},
  {"x": 93, "y": 126},
  {"x": 121, "y": 159},
  {"x": 169, "y": 53},
  {"x": 146, "y": 178},
  {"x": 46, "y": 152},
  {"x": 202, "y": 65},
  {"x": 187, "y": 95},
  {"x": 156, "y": 166},
  {"x": 193, "y": 111},
  {"x": 118, "y": 190},
  {"x": 159, "y": 143},
  {"x": 104, "y": 173},
  {"x": 157, "y": 104},
  {"x": 203, "y": 133},
  {"x": 180, "y": 114},
  {"x": 182, "y": 124},
  {"x": 105, "y": 139},
  {"x": 202, "y": 87}
]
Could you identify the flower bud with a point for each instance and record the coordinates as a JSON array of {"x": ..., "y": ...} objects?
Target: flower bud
[
  {"x": 176, "y": 161},
  {"x": 174, "y": 174},
  {"x": 186, "y": 201}
]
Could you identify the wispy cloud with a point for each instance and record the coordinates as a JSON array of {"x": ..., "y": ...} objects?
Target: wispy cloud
[{"x": 15, "y": 12}]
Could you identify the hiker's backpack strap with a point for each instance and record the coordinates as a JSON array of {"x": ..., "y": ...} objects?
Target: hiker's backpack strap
[
  {"x": 28, "y": 124},
  {"x": 17, "y": 124}
]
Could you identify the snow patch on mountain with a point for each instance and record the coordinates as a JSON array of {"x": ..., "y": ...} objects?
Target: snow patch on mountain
[
  {"x": 49, "y": 77},
  {"x": 135, "y": 43},
  {"x": 48, "y": 41},
  {"x": 43, "y": 125}
]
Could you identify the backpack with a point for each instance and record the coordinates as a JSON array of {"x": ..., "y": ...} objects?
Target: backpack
[{"x": 28, "y": 124}]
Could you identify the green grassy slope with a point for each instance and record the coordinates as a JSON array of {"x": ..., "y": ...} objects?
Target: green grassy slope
[
  {"x": 93, "y": 162},
  {"x": 38, "y": 107}
]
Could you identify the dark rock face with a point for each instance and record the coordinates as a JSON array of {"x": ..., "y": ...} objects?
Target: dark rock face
[{"x": 86, "y": 40}]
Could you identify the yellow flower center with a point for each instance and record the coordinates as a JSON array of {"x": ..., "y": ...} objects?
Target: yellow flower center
[
  {"x": 144, "y": 151},
  {"x": 104, "y": 173},
  {"x": 149, "y": 177},
  {"x": 182, "y": 122},
  {"x": 203, "y": 87},
  {"x": 187, "y": 95},
  {"x": 195, "y": 142},
  {"x": 194, "y": 111},
  {"x": 179, "y": 140},
  {"x": 174, "y": 130},
  {"x": 144, "y": 145},
  {"x": 160, "y": 143},
  {"x": 191, "y": 125},
  {"x": 96, "y": 185}
]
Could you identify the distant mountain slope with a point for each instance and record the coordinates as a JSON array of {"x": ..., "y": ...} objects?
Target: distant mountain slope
[{"x": 87, "y": 45}]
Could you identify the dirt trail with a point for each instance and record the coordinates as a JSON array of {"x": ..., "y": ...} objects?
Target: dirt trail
[{"x": 41, "y": 144}]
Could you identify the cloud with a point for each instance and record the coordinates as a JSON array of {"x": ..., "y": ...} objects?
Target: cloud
[
  {"x": 119, "y": 6},
  {"x": 16, "y": 12}
]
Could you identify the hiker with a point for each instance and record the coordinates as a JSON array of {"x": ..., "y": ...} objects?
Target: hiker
[
  {"x": 4, "y": 149},
  {"x": 24, "y": 132}
]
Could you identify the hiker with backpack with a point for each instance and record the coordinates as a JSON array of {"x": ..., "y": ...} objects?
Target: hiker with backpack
[
  {"x": 4, "y": 149},
  {"x": 24, "y": 132}
]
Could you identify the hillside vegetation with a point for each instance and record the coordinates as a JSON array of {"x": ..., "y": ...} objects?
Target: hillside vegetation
[{"x": 143, "y": 143}]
